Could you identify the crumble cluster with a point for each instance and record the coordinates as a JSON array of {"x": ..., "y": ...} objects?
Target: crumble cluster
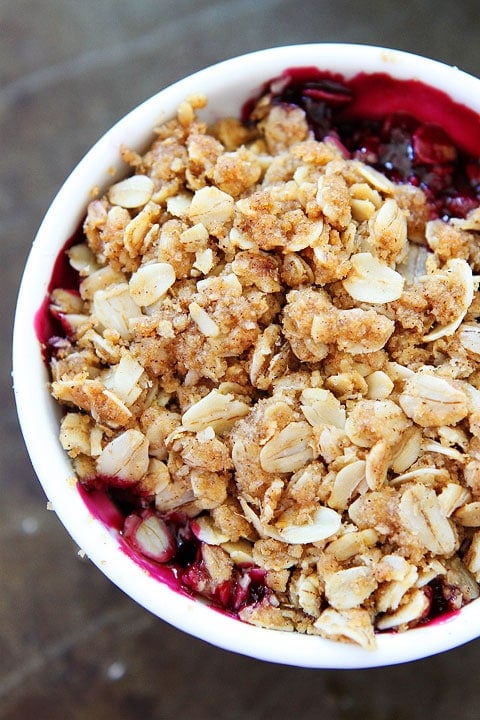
[{"x": 278, "y": 343}]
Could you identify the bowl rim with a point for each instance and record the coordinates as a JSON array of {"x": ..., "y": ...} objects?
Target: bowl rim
[{"x": 30, "y": 376}]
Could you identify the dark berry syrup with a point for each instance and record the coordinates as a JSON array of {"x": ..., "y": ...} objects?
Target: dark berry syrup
[
  {"x": 407, "y": 130},
  {"x": 185, "y": 572},
  {"x": 410, "y": 132},
  {"x": 51, "y": 330}
]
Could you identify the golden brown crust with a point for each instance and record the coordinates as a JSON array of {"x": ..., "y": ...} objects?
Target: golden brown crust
[{"x": 275, "y": 340}]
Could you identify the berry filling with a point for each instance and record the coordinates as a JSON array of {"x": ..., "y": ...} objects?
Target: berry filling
[
  {"x": 376, "y": 119},
  {"x": 168, "y": 548}
]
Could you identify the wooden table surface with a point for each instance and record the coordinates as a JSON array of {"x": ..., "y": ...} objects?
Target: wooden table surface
[{"x": 72, "y": 646}]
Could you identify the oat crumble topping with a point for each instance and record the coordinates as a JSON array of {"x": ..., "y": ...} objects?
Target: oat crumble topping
[{"x": 275, "y": 343}]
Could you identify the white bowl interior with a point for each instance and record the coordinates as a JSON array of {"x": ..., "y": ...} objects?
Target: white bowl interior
[{"x": 227, "y": 86}]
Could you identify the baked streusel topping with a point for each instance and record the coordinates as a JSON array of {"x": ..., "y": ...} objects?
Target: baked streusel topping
[{"x": 274, "y": 346}]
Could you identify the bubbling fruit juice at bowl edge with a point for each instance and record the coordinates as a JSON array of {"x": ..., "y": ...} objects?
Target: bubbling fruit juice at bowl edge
[{"x": 265, "y": 341}]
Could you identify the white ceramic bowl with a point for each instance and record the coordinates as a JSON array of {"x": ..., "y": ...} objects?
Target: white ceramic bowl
[{"x": 227, "y": 86}]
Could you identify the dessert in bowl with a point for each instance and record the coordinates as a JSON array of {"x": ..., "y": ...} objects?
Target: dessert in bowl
[{"x": 246, "y": 359}]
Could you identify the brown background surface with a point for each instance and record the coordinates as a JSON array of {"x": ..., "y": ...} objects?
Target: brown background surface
[{"x": 72, "y": 646}]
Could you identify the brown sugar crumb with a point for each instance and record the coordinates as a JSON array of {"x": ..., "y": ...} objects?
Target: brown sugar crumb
[{"x": 275, "y": 343}]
